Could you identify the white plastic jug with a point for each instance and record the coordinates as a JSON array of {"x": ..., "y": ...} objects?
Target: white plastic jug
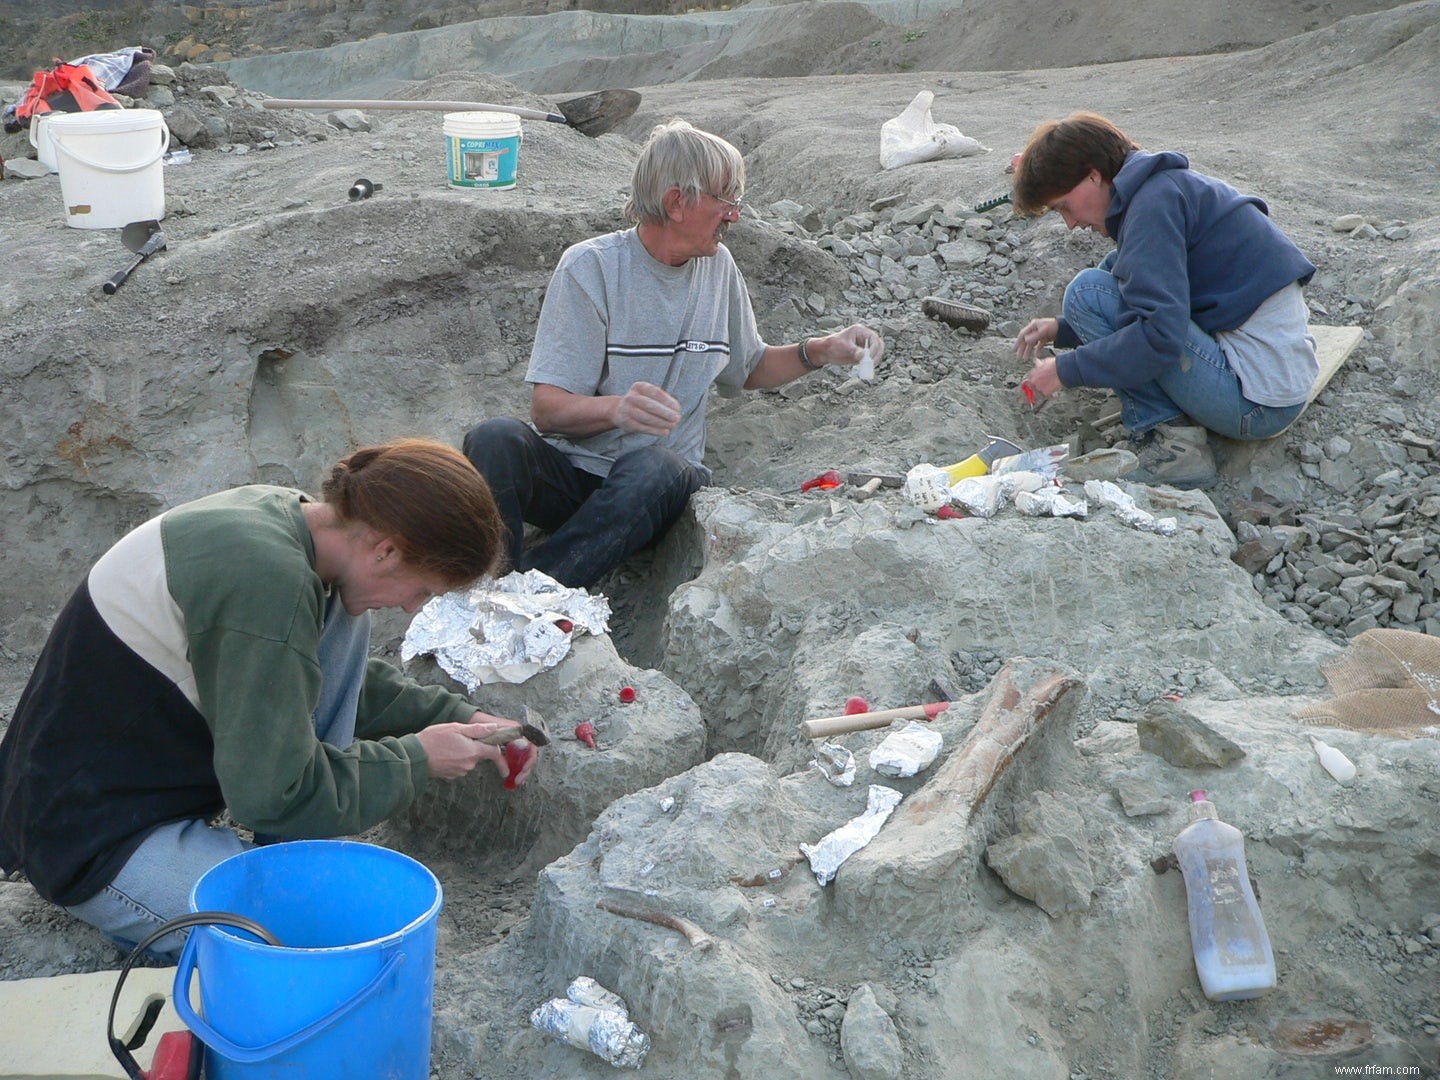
[{"x": 1227, "y": 934}]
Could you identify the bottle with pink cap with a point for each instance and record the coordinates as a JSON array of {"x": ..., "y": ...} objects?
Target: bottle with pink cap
[{"x": 1227, "y": 933}]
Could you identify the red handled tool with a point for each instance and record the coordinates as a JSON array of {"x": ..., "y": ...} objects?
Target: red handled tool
[{"x": 826, "y": 481}]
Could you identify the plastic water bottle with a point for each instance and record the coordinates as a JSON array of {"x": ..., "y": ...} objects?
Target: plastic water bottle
[
  {"x": 1227, "y": 934},
  {"x": 1334, "y": 762}
]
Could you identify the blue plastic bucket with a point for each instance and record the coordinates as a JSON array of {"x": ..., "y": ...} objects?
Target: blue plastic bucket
[{"x": 350, "y": 993}]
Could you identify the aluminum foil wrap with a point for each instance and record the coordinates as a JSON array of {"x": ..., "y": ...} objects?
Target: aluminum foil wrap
[
  {"x": 606, "y": 1033},
  {"x": 1046, "y": 461},
  {"x": 835, "y": 847},
  {"x": 836, "y": 763},
  {"x": 1112, "y": 495},
  {"x": 978, "y": 495},
  {"x": 1012, "y": 483},
  {"x": 503, "y": 631},
  {"x": 1051, "y": 502},
  {"x": 584, "y": 990}
]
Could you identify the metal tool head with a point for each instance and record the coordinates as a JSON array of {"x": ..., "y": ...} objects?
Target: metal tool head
[
  {"x": 533, "y": 726},
  {"x": 138, "y": 233},
  {"x": 594, "y": 114},
  {"x": 998, "y": 448}
]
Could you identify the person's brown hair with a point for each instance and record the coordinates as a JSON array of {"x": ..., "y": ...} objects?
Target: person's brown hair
[
  {"x": 1061, "y": 153},
  {"x": 429, "y": 499}
]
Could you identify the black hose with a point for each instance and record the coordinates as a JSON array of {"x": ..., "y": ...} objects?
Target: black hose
[{"x": 151, "y": 1013}]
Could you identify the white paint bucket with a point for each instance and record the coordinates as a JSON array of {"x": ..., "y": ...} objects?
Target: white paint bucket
[
  {"x": 110, "y": 169},
  {"x": 40, "y": 140},
  {"x": 482, "y": 149}
]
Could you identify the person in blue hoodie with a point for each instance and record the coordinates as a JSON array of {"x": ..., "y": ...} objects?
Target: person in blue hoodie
[{"x": 1195, "y": 320}]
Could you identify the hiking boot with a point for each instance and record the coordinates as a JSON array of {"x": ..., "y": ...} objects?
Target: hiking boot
[
  {"x": 1174, "y": 454},
  {"x": 954, "y": 313}
]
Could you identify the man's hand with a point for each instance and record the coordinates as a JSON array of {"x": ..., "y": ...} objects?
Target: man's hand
[
  {"x": 1037, "y": 334},
  {"x": 847, "y": 347},
  {"x": 647, "y": 410},
  {"x": 782, "y": 364},
  {"x": 454, "y": 749}
]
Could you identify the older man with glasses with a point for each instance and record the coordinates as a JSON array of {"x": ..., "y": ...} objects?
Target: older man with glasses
[{"x": 636, "y": 327}]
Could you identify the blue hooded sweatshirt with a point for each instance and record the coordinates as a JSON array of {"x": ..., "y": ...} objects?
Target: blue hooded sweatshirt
[{"x": 1187, "y": 248}]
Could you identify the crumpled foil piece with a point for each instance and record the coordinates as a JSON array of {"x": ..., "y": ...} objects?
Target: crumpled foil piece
[
  {"x": 1112, "y": 495},
  {"x": 1046, "y": 461},
  {"x": 979, "y": 496},
  {"x": 1012, "y": 483},
  {"x": 837, "y": 846},
  {"x": 584, "y": 990},
  {"x": 836, "y": 763},
  {"x": 907, "y": 751},
  {"x": 503, "y": 631},
  {"x": 606, "y": 1033},
  {"x": 1051, "y": 502}
]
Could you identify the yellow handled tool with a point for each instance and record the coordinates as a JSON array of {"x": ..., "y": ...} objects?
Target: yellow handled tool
[{"x": 979, "y": 464}]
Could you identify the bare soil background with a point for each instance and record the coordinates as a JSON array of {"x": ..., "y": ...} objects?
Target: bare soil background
[{"x": 286, "y": 323}]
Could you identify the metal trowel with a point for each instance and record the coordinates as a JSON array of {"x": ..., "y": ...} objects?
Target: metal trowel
[{"x": 144, "y": 238}]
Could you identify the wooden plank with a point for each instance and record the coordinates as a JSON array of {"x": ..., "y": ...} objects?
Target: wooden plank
[
  {"x": 54, "y": 1028},
  {"x": 1333, "y": 344}
]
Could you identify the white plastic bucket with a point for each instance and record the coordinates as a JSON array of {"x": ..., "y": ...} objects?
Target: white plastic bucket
[
  {"x": 40, "y": 140},
  {"x": 482, "y": 149},
  {"x": 110, "y": 169}
]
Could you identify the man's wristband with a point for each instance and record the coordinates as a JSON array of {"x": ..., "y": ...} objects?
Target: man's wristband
[{"x": 805, "y": 360}]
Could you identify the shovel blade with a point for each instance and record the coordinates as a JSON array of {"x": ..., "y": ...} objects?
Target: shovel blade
[
  {"x": 594, "y": 114},
  {"x": 135, "y": 235}
]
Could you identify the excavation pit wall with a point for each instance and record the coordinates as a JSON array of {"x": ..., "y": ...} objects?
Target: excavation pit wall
[
  {"x": 781, "y": 623},
  {"x": 410, "y": 313},
  {"x": 264, "y": 343}
]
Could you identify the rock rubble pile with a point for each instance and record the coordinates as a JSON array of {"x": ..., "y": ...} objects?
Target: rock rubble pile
[{"x": 1352, "y": 549}]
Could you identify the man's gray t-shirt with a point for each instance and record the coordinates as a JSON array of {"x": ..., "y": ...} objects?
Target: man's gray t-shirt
[{"x": 614, "y": 316}]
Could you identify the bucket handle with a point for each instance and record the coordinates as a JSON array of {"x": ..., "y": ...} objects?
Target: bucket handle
[
  {"x": 232, "y": 1051},
  {"x": 59, "y": 144}
]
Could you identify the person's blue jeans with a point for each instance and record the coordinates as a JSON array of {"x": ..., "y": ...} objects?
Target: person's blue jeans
[
  {"x": 594, "y": 522},
  {"x": 1202, "y": 386},
  {"x": 155, "y": 883}
]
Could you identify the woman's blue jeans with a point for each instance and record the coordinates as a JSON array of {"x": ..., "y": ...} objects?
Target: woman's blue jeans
[
  {"x": 1202, "y": 386},
  {"x": 595, "y": 522}
]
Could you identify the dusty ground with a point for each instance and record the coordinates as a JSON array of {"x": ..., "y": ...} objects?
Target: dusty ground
[{"x": 286, "y": 323}]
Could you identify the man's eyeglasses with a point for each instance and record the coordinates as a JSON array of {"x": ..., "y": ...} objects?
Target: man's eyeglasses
[{"x": 730, "y": 204}]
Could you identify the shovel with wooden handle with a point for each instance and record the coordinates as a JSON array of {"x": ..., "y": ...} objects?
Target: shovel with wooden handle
[
  {"x": 142, "y": 237},
  {"x": 591, "y": 114}
]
